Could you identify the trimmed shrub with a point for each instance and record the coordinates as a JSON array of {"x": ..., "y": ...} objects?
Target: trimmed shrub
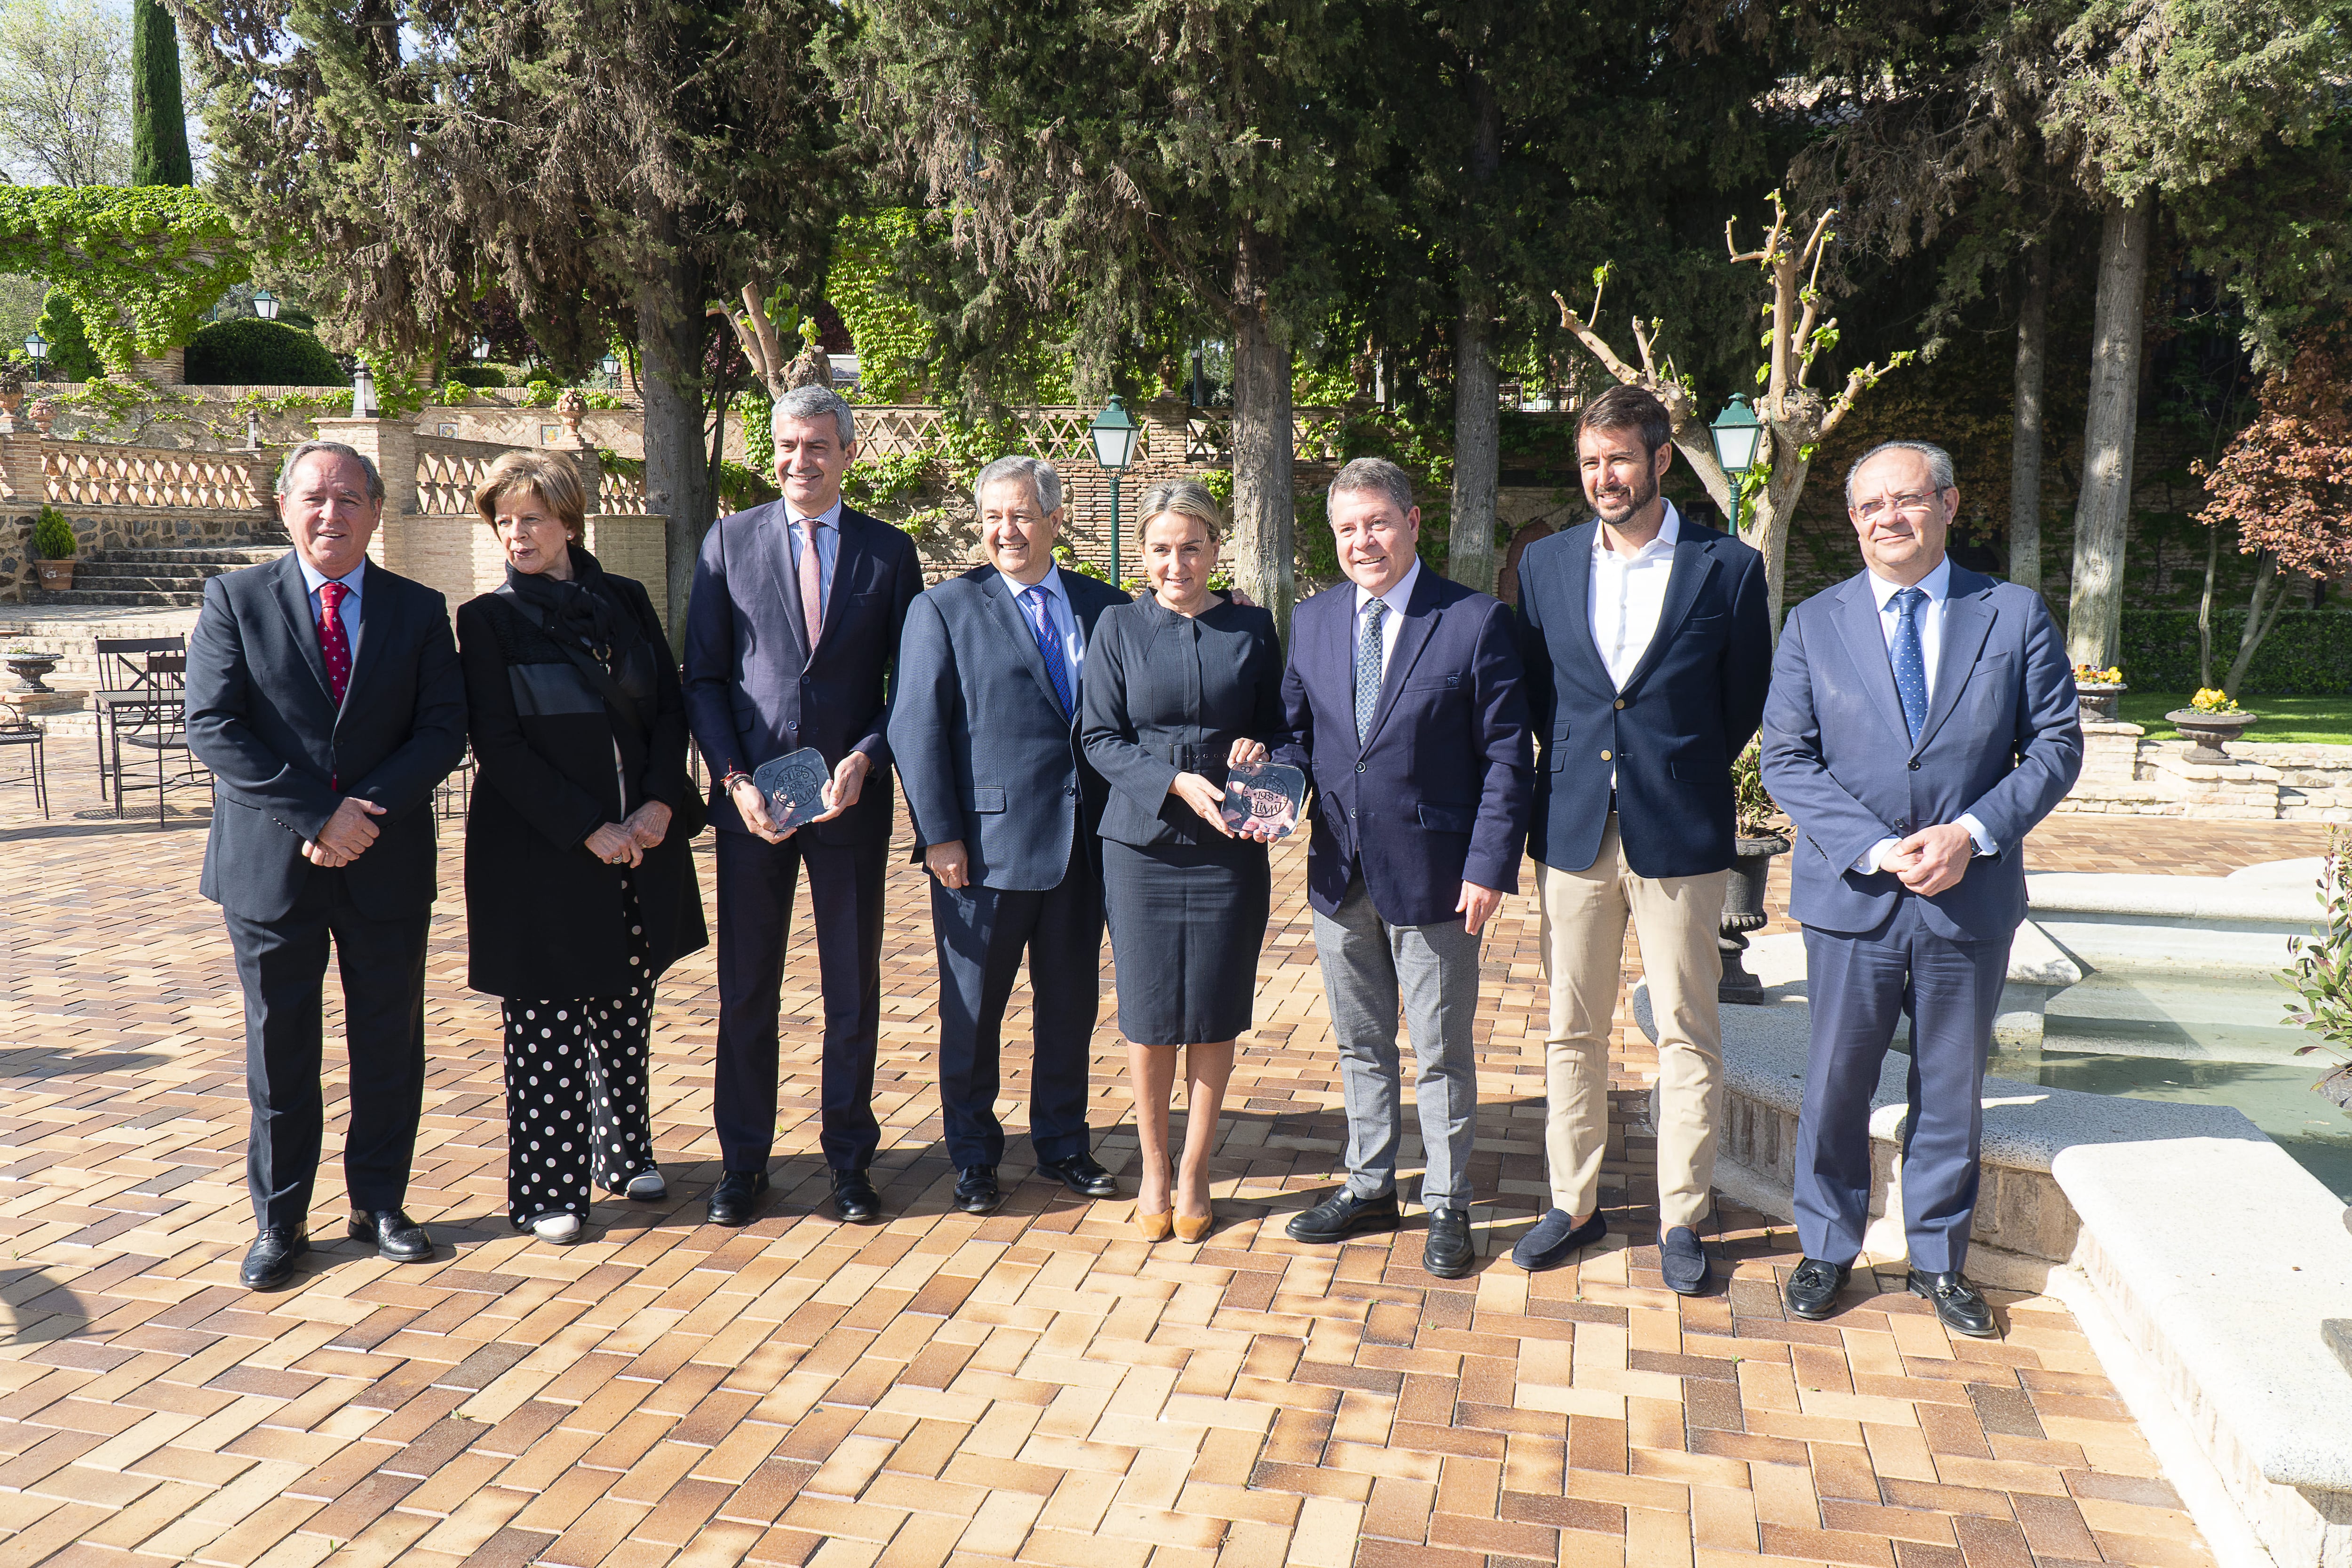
[
  {"x": 250, "y": 351},
  {"x": 2307, "y": 654},
  {"x": 479, "y": 374},
  {"x": 53, "y": 536}
]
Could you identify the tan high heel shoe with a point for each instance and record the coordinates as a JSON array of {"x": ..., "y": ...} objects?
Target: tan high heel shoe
[
  {"x": 1187, "y": 1229},
  {"x": 1157, "y": 1226}
]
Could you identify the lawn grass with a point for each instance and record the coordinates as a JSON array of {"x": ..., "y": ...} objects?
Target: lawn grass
[{"x": 2306, "y": 721}]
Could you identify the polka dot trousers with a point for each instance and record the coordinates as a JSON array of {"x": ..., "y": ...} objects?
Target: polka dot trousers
[{"x": 576, "y": 1091}]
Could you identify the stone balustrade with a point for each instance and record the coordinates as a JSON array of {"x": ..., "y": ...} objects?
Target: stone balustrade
[{"x": 83, "y": 473}]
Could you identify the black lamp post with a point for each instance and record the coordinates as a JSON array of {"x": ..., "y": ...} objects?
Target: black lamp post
[
  {"x": 36, "y": 349},
  {"x": 1737, "y": 433},
  {"x": 611, "y": 365},
  {"x": 1114, "y": 434}
]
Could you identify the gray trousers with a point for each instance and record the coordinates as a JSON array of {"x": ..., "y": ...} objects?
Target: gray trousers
[{"x": 1369, "y": 966}]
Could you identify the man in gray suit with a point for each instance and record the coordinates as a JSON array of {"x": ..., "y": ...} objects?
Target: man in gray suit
[
  {"x": 1921, "y": 720},
  {"x": 984, "y": 730}
]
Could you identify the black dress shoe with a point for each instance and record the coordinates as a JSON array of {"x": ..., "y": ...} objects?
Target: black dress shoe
[
  {"x": 737, "y": 1196},
  {"x": 1082, "y": 1173},
  {"x": 1812, "y": 1289},
  {"x": 976, "y": 1190},
  {"x": 1962, "y": 1308},
  {"x": 855, "y": 1201},
  {"x": 269, "y": 1261},
  {"x": 397, "y": 1238},
  {"x": 1682, "y": 1261},
  {"x": 1447, "y": 1253},
  {"x": 1343, "y": 1215},
  {"x": 1556, "y": 1239}
]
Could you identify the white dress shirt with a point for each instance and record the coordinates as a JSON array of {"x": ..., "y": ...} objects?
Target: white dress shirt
[
  {"x": 349, "y": 612},
  {"x": 1061, "y": 618},
  {"x": 1396, "y": 598},
  {"x": 1937, "y": 585},
  {"x": 828, "y": 544},
  {"x": 1628, "y": 595}
]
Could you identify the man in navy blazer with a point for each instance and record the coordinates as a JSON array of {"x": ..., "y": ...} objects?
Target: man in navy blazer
[
  {"x": 984, "y": 731},
  {"x": 325, "y": 696},
  {"x": 1922, "y": 720},
  {"x": 791, "y": 630},
  {"x": 1402, "y": 702},
  {"x": 1648, "y": 644}
]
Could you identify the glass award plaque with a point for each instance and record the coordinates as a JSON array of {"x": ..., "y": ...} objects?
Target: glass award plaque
[
  {"x": 794, "y": 787},
  {"x": 1263, "y": 800}
]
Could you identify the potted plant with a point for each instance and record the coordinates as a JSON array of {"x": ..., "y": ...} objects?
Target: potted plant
[
  {"x": 2097, "y": 691},
  {"x": 53, "y": 542},
  {"x": 28, "y": 665},
  {"x": 1755, "y": 821},
  {"x": 2210, "y": 721}
]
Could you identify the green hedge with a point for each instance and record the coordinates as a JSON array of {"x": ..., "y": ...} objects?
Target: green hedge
[
  {"x": 250, "y": 351},
  {"x": 2307, "y": 654},
  {"x": 478, "y": 375}
]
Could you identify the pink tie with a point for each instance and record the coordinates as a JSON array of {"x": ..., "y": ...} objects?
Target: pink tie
[
  {"x": 813, "y": 584},
  {"x": 336, "y": 646}
]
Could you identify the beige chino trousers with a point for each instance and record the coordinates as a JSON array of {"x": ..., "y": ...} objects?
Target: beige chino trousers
[{"x": 1675, "y": 920}]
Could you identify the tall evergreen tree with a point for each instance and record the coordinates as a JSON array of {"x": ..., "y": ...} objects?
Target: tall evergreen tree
[
  {"x": 611, "y": 165},
  {"x": 159, "y": 116}
]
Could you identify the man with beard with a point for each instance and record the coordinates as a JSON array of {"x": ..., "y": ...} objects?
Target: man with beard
[{"x": 1648, "y": 650}]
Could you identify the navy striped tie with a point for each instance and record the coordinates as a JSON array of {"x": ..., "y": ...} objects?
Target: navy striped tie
[{"x": 1050, "y": 645}]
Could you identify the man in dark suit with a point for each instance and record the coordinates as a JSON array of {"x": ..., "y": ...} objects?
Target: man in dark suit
[
  {"x": 984, "y": 731},
  {"x": 1402, "y": 699},
  {"x": 1648, "y": 645},
  {"x": 791, "y": 630},
  {"x": 325, "y": 696},
  {"x": 1922, "y": 721}
]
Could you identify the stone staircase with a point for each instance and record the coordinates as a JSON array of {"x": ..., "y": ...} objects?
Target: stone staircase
[{"x": 169, "y": 576}]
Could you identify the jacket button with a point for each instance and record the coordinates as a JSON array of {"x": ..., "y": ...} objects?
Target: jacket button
[
  {"x": 1914, "y": 765},
  {"x": 1604, "y": 754},
  {"x": 1070, "y": 789},
  {"x": 1621, "y": 702},
  {"x": 1359, "y": 767}
]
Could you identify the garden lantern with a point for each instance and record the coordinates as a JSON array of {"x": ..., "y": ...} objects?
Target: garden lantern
[
  {"x": 1114, "y": 434},
  {"x": 481, "y": 350},
  {"x": 363, "y": 392},
  {"x": 611, "y": 365},
  {"x": 36, "y": 349},
  {"x": 1737, "y": 433},
  {"x": 265, "y": 304}
]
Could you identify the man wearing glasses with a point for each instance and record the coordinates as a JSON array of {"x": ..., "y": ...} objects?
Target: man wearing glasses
[{"x": 1921, "y": 722}]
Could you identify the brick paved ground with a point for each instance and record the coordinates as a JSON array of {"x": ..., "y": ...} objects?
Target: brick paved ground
[{"x": 1038, "y": 1386}]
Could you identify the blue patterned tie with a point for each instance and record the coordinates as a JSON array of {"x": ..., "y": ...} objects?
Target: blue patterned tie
[
  {"x": 1050, "y": 644},
  {"x": 1910, "y": 661},
  {"x": 1367, "y": 668}
]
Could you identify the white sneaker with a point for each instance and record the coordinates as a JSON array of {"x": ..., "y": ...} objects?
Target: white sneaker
[
  {"x": 647, "y": 1185},
  {"x": 562, "y": 1230}
]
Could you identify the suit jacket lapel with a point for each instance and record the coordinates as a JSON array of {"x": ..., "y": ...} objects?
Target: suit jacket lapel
[
  {"x": 771, "y": 541},
  {"x": 294, "y": 599},
  {"x": 1419, "y": 620},
  {"x": 376, "y": 595},
  {"x": 1865, "y": 646},
  {"x": 1968, "y": 620},
  {"x": 1576, "y": 588},
  {"x": 849, "y": 549},
  {"x": 1693, "y": 565},
  {"x": 1014, "y": 622}
]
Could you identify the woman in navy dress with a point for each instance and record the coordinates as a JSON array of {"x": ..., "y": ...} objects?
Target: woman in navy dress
[{"x": 1181, "y": 685}]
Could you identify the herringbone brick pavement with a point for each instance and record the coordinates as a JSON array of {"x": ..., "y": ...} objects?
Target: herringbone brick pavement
[{"x": 1039, "y": 1386}]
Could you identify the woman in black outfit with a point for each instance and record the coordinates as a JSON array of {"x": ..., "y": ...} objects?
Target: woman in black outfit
[
  {"x": 580, "y": 887},
  {"x": 1179, "y": 687}
]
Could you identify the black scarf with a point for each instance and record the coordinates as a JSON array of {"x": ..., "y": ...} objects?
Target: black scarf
[{"x": 584, "y": 610}]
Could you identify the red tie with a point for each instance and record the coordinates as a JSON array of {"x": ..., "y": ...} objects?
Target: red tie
[{"x": 336, "y": 646}]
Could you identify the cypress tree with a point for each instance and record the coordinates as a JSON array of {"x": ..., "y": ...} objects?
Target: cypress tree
[{"x": 159, "y": 129}]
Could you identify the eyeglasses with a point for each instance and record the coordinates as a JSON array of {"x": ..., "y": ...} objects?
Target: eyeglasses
[{"x": 1916, "y": 503}]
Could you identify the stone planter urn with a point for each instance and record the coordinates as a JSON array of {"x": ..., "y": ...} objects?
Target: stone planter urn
[
  {"x": 1743, "y": 912},
  {"x": 2097, "y": 699},
  {"x": 56, "y": 576},
  {"x": 2209, "y": 733},
  {"x": 29, "y": 668},
  {"x": 43, "y": 414}
]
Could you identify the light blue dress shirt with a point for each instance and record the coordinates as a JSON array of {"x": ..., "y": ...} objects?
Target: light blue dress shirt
[
  {"x": 828, "y": 546},
  {"x": 1060, "y": 616},
  {"x": 349, "y": 614}
]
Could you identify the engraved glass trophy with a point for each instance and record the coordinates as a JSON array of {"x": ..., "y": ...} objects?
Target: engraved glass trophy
[
  {"x": 794, "y": 787},
  {"x": 1263, "y": 800}
]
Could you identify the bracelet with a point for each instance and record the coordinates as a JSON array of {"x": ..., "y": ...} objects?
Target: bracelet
[{"x": 727, "y": 784}]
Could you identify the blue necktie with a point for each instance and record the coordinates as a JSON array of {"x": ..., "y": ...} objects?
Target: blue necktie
[
  {"x": 1367, "y": 668},
  {"x": 1050, "y": 645},
  {"x": 1910, "y": 661}
]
